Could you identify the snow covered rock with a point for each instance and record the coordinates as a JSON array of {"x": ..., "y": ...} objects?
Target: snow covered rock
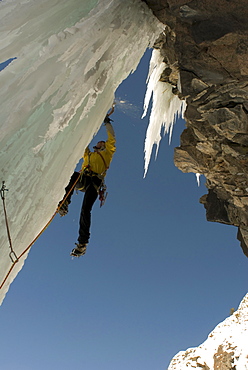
[{"x": 226, "y": 347}]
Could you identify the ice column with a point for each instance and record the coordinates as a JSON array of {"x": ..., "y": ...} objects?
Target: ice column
[{"x": 166, "y": 106}]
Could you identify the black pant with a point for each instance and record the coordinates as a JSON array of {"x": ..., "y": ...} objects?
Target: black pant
[{"x": 91, "y": 186}]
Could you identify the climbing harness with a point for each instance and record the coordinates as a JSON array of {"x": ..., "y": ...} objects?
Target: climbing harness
[
  {"x": 12, "y": 254},
  {"x": 88, "y": 172},
  {"x": 81, "y": 186}
]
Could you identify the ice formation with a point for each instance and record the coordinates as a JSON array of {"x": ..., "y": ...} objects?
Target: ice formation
[
  {"x": 70, "y": 58},
  {"x": 198, "y": 175},
  {"x": 166, "y": 106}
]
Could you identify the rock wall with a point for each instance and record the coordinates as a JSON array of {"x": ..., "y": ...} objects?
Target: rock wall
[{"x": 205, "y": 46}]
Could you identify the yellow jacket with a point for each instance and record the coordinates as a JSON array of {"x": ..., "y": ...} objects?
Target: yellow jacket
[{"x": 99, "y": 162}]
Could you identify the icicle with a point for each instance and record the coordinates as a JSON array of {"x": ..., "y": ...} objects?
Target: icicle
[
  {"x": 198, "y": 178},
  {"x": 166, "y": 106}
]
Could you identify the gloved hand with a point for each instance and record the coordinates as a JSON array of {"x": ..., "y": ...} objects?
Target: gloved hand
[{"x": 107, "y": 119}]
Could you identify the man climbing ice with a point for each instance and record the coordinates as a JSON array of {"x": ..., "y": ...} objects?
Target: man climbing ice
[{"x": 91, "y": 181}]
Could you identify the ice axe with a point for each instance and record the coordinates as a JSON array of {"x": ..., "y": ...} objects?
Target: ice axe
[{"x": 107, "y": 119}]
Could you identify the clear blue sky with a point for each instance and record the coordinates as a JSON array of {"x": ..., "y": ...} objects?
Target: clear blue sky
[{"x": 156, "y": 279}]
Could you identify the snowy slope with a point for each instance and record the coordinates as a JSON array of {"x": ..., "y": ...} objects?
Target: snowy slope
[
  {"x": 70, "y": 58},
  {"x": 225, "y": 348}
]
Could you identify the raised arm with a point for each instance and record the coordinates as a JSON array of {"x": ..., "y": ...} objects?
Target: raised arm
[{"x": 110, "y": 143}]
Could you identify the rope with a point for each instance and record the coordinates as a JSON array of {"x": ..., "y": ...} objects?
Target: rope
[
  {"x": 37, "y": 236},
  {"x": 12, "y": 253}
]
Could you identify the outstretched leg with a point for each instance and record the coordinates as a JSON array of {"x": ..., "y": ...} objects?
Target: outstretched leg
[{"x": 63, "y": 204}]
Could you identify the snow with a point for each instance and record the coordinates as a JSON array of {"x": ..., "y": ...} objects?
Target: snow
[
  {"x": 67, "y": 59},
  {"x": 166, "y": 106},
  {"x": 231, "y": 336}
]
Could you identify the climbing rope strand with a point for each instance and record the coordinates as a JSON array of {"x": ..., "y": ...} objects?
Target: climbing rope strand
[
  {"x": 12, "y": 253},
  {"x": 38, "y": 235}
]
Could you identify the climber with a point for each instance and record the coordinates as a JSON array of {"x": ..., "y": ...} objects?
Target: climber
[{"x": 90, "y": 180}]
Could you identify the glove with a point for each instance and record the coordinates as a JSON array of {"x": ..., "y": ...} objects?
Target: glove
[{"x": 107, "y": 119}]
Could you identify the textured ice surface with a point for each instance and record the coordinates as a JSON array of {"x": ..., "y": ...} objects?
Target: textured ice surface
[{"x": 71, "y": 57}]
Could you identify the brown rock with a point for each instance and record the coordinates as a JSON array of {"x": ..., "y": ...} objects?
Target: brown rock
[{"x": 206, "y": 45}]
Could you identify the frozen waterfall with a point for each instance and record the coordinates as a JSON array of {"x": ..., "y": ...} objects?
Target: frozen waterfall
[
  {"x": 68, "y": 60},
  {"x": 166, "y": 106}
]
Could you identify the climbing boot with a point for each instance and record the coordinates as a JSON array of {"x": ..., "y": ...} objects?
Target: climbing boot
[
  {"x": 80, "y": 250},
  {"x": 63, "y": 207}
]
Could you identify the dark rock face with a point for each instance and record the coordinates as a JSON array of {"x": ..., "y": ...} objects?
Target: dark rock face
[{"x": 206, "y": 47}]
